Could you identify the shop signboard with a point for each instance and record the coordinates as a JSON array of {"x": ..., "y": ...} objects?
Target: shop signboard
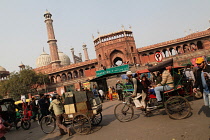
[
  {"x": 117, "y": 69},
  {"x": 86, "y": 85}
]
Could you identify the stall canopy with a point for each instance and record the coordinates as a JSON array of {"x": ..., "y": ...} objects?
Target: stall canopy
[
  {"x": 161, "y": 65},
  {"x": 104, "y": 76},
  {"x": 142, "y": 71}
]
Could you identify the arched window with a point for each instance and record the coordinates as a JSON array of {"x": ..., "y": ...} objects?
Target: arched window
[
  {"x": 131, "y": 49},
  {"x": 134, "y": 59},
  {"x": 93, "y": 67},
  {"x": 63, "y": 78},
  {"x": 200, "y": 45},
  {"x": 151, "y": 53},
  {"x": 81, "y": 73},
  {"x": 186, "y": 48},
  {"x": 69, "y": 76},
  {"x": 165, "y": 53},
  {"x": 75, "y": 74},
  {"x": 172, "y": 51},
  {"x": 52, "y": 79},
  {"x": 179, "y": 50},
  {"x": 193, "y": 47},
  {"x": 58, "y": 78},
  {"x": 99, "y": 57}
]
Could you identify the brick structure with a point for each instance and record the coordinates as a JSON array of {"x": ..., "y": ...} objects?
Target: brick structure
[
  {"x": 52, "y": 41},
  {"x": 114, "y": 47}
]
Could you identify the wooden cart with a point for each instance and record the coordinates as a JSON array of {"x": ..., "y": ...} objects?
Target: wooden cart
[{"x": 80, "y": 116}]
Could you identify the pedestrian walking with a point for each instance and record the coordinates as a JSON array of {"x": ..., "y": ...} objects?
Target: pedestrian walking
[
  {"x": 57, "y": 106},
  {"x": 202, "y": 80},
  {"x": 101, "y": 93},
  {"x": 43, "y": 106},
  {"x": 95, "y": 91},
  {"x": 189, "y": 74},
  {"x": 35, "y": 109},
  {"x": 110, "y": 93},
  {"x": 119, "y": 89}
]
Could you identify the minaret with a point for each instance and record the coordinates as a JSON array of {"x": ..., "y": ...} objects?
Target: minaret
[
  {"x": 85, "y": 52},
  {"x": 80, "y": 56},
  {"x": 72, "y": 51},
  {"x": 52, "y": 41}
]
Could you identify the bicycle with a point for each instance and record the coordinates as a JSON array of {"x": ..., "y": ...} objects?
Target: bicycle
[
  {"x": 48, "y": 123},
  {"x": 124, "y": 111}
]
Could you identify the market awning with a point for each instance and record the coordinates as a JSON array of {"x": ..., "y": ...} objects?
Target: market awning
[
  {"x": 142, "y": 71},
  {"x": 104, "y": 76}
]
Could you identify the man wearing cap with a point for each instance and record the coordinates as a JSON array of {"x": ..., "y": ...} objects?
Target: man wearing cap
[
  {"x": 200, "y": 81},
  {"x": 119, "y": 88},
  {"x": 138, "y": 91}
]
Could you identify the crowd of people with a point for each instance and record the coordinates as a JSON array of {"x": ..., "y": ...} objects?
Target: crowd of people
[
  {"x": 155, "y": 83},
  {"x": 162, "y": 80}
]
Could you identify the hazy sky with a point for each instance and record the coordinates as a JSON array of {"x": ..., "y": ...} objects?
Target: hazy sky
[{"x": 23, "y": 32}]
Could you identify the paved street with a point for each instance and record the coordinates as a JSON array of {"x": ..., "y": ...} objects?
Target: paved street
[{"x": 158, "y": 127}]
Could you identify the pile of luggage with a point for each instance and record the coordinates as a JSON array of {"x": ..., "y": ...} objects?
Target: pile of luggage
[{"x": 81, "y": 101}]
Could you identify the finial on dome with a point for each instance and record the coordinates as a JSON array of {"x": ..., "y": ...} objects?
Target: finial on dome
[
  {"x": 130, "y": 27},
  {"x": 123, "y": 28},
  {"x": 43, "y": 49},
  {"x": 47, "y": 11}
]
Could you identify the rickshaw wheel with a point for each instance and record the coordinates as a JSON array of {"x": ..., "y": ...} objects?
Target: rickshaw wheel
[
  {"x": 25, "y": 124},
  {"x": 177, "y": 107},
  {"x": 48, "y": 124},
  {"x": 81, "y": 124},
  {"x": 124, "y": 112},
  {"x": 96, "y": 120}
]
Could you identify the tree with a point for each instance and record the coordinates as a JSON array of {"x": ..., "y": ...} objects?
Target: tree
[{"x": 23, "y": 82}]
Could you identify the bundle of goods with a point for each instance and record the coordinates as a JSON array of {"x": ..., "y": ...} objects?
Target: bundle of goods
[{"x": 81, "y": 101}]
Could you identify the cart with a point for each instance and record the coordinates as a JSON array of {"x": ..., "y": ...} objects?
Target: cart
[{"x": 80, "y": 116}]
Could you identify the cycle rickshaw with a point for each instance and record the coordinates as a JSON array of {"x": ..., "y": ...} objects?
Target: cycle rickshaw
[
  {"x": 8, "y": 111},
  {"x": 81, "y": 116},
  {"x": 174, "y": 101}
]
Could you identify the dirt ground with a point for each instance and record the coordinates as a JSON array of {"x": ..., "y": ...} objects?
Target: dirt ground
[{"x": 157, "y": 127}]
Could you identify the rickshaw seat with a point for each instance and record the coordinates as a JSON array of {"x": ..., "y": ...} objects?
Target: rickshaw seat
[{"x": 175, "y": 88}]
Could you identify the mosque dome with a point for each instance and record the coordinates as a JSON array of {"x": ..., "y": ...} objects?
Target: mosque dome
[
  {"x": 43, "y": 60},
  {"x": 2, "y": 68},
  {"x": 65, "y": 60}
]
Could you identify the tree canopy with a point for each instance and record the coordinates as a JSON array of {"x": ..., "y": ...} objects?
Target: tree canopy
[{"x": 23, "y": 82}]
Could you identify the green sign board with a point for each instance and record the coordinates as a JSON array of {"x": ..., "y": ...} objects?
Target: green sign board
[{"x": 117, "y": 69}]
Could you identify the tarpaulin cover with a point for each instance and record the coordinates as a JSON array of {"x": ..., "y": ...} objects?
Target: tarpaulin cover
[{"x": 161, "y": 65}]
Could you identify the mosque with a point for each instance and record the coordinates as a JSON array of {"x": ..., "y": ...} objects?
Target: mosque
[{"x": 115, "y": 53}]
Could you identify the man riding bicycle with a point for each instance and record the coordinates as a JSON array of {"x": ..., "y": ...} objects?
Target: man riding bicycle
[{"x": 138, "y": 91}]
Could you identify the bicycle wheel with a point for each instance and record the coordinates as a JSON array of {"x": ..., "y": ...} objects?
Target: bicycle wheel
[
  {"x": 124, "y": 112},
  {"x": 48, "y": 124},
  {"x": 96, "y": 120},
  {"x": 26, "y": 124},
  {"x": 177, "y": 107},
  {"x": 81, "y": 124}
]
